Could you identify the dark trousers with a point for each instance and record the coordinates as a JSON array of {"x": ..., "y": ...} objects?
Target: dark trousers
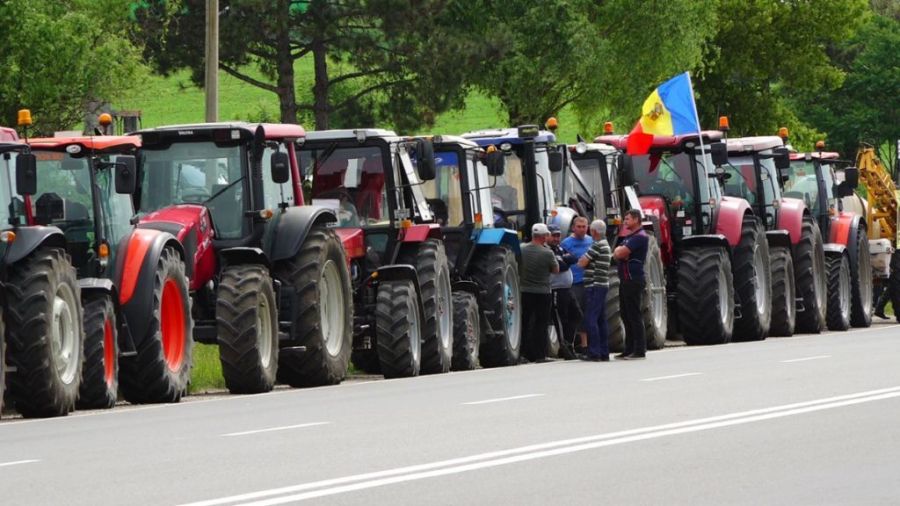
[
  {"x": 535, "y": 320},
  {"x": 631, "y": 295},
  {"x": 569, "y": 312},
  {"x": 595, "y": 321}
]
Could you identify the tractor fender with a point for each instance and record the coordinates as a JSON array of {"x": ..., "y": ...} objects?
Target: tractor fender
[
  {"x": 290, "y": 228},
  {"x": 243, "y": 255},
  {"x": 29, "y": 239},
  {"x": 466, "y": 286},
  {"x": 842, "y": 228},
  {"x": 134, "y": 276},
  {"x": 790, "y": 217},
  {"x": 730, "y": 218},
  {"x": 401, "y": 272},
  {"x": 834, "y": 250},
  {"x": 697, "y": 241},
  {"x": 497, "y": 237},
  {"x": 105, "y": 286},
  {"x": 654, "y": 206},
  {"x": 778, "y": 239},
  {"x": 420, "y": 232}
]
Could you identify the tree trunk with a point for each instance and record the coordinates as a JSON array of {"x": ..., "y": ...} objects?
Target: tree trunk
[
  {"x": 287, "y": 95},
  {"x": 320, "y": 88}
]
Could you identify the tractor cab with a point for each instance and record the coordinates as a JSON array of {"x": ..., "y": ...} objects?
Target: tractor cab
[
  {"x": 12, "y": 205},
  {"x": 753, "y": 173}
]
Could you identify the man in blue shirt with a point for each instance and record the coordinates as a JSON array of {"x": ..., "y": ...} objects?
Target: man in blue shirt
[
  {"x": 631, "y": 254},
  {"x": 577, "y": 244}
]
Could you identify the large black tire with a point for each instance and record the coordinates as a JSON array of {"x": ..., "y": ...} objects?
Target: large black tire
[
  {"x": 45, "y": 333},
  {"x": 398, "y": 329},
  {"x": 811, "y": 276},
  {"x": 784, "y": 305},
  {"x": 838, "y": 314},
  {"x": 705, "y": 296},
  {"x": 100, "y": 376},
  {"x": 893, "y": 284},
  {"x": 654, "y": 309},
  {"x": 752, "y": 283},
  {"x": 160, "y": 371},
  {"x": 247, "y": 328},
  {"x": 614, "y": 323},
  {"x": 466, "y": 331},
  {"x": 496, "y": 271},
  {"x": 861, "y": 283},
  {"x": 322, "y": 312},
  {"x": 430, "y": 261}
]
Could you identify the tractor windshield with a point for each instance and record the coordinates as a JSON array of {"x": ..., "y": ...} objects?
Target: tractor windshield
[
  {"x": 580, "y": 186},
  {"x": 802, "y": 183},
  {"x": 741, "y": 181},
  {"x": 351, "y": 180},
  {"x": 197, "y": 173},
  {"x": 675, "y": 177},
  {"x": 444, "y": 192}
]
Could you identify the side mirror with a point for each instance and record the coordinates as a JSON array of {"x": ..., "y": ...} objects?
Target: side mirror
[
  {"x": 126, "y": 175},
  {"x": 26, "y": 174},
  {"x": 782, "y": 158},
  {"x": 555, "y": 161},
  {"x": 626, "y": 170},
  {"x": 851, "y": 177},
  {"x": 281, "y": 167},
  {"x": 719, "y": 153},
  {"x": 495, "y": 162},
  {"x": 425, "y": 160}
]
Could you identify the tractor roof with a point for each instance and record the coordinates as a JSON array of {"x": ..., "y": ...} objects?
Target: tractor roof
[
  {"x": 273, "y": 131},
  {"x": 596, "y": 147},
  {"x": 93, "y": 143},
  {"x": 7, "y": 146},
  {"x": 359, "y": 135},
  {"x": 819, "y": 155},
  {"x": 8, "y": 134},
  {"x": 510, "y": 135},
  {"x": 754, "y": 144},
  {"x": 456, "y": 140},
  {"x": 661, "y": 142}
]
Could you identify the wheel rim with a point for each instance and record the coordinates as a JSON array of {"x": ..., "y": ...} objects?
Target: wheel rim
[
  {"x": 443, "y": 309},
  {"x": 264, "y": 329},
  {"x": 415, "y": 331},
  {"x": 820, "y": 285},
  {"x": 657, "y": 294},
  {"x": 64, "y": 338},
  {"x": 511, "y": 306},
  {"x": 172, "y": 325},
  {"x": 865, "y": 279},
  {"x": 109, "y": 353},
  {"x": 723, "y": 299},
  {"x": 844, "y": 290},
  {"x": 762, "y": 296},
  {"x": 790, "y": 296},
  {"x": 331, "y": 305}
]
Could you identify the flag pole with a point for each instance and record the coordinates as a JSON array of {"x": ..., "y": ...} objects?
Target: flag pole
[{"x": 699, "y": 128}]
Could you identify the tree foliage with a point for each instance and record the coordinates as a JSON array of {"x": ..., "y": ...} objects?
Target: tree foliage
[{"x": 59, "y": 57}]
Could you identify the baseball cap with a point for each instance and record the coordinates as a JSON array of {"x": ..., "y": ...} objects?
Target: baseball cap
[
  {"x": 554, "y": 229},
  {"x": 539, "y": 229}
]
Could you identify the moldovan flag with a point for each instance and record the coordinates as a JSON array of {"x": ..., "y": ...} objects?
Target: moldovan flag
[{"x": 669, "y": 110}]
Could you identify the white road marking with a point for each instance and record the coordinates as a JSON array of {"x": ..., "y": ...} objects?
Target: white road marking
[
  {"x": 538, "y": 451},
  {"x": 804, "y": 359},
  {"x": 659, "y": 378},
  {"x": 502, "y": 399},
  {"x": 17, "y": 462},
  {"x": 274, "y": 429}
]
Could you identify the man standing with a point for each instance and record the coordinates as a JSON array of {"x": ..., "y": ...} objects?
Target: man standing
[
  {"x": 631, "y": 254},
  {"x": 596, "y": 264},
  {"x": 568, "y": 310},
  {"x": 538, "y": 263},
  {"x": 578, "y": 244}
]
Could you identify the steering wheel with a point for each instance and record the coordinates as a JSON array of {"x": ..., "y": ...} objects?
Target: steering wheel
[
  {"x": 195, "y": 195},
  {"x": 347, "y": 214}
]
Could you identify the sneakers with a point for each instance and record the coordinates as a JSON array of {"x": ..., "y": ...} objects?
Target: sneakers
[
  {"x": 620, "y": 356},
  {"x": 594, "y": 358},
  {"x": 634, "y": 357}
]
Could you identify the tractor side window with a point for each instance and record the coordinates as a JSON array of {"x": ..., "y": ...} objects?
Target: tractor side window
[
  {"x": 665, "y": 175},
  {"x": 116, "y": 208},
  {"x": 508, "y": 194},
  {"x": 349, "y": 180},
  {"x": 443, "y": 192},
  {"x": 802, "y": 183},
  {"x": 740, "y": 180},
  {"x": 63, "y": 199},
  {"x": 274, "y": 193}
]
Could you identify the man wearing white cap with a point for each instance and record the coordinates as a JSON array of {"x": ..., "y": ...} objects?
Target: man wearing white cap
[{"x": 535, "y": 268}]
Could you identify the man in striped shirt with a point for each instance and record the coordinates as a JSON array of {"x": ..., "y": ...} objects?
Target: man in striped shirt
[{"x": 596, "y": 265}]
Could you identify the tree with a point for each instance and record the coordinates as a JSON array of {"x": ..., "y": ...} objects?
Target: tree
[
  {"x": 59, "y": 57},
  {"x": 594, "y": 56},
  {"x": 375, "y": 61},
  {"x": 766, "y": 52}
]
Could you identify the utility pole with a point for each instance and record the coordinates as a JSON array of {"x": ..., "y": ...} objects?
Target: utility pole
[{"x": 212, "y": 60}]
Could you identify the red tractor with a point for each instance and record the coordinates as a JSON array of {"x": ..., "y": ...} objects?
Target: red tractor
[
  {"x": 713, "y": 246},
  {"x": 400, "y": 270},
  {"x": 133, "y": 284},
  {"x": 796, "y": 251},
  {"x": 269, "y": 279}
]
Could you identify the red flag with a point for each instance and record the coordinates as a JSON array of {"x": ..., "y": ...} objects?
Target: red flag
[{"x": 638, "y": 142}]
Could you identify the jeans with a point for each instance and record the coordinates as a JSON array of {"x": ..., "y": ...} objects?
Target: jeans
[
  {"x": 569, "y": 313},
  {"x": 595, "y": 321},
  {"x": 631, "y": 295},
  {"x": 535, "y": 320}
]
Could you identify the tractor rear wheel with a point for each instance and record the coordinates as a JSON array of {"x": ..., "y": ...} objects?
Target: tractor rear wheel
[
  {"x": 160, "y": 371},
  {"x": 810, "y": 272},
  {"x": 100, "y": 376},
  {"x": 752, "y": 283},
  {"x": 430, "y": 261},
  {"x": 861, "y": 283},
  {"x": 496, "y": 271},
  {"x": 398, "y": 329},
  {"x": 654, "y": 308},
  {"x": 466, "y": 331},
  {"x": 615, "y": 325},
  {"x": 321, "y": 312},
  {"x": 784, "y": 305},
  {"x": 247, "y": 328},
  {"x": 705, "y": 296},
  {"x": 45, "y": 332},
  {"x": 838, "y": 315}
]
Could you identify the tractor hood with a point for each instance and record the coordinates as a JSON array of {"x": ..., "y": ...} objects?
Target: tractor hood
[{"x": 192, "y": 226}]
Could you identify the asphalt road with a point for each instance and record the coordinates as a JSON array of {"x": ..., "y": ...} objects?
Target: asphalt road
[{"x": 802, "y": 420}]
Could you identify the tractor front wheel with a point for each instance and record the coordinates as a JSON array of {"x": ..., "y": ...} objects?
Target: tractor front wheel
[
  {"x": 430, "y": 261},
  {"x": 100, "y": 377},
  {"x": 466, "y": 331},
  {"x": 861, "y": 283},
  {"x": 496, "y": 271},
  {"x": 838, "y": 314},
  {"x": 784, "y": 307},
  {"x": 810, "y": 272},
  {"x": 398, "y": 323},
  {"x": 705, "y": 296},
  {"x": 752, "y": 283}
]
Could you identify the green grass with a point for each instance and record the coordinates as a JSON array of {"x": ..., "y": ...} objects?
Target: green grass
[{"x": 207, "y": 372}]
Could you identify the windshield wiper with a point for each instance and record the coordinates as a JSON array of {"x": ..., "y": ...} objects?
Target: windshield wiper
[
  {"x": 223, "y": 190},
  {"x": 319, "y": 160}
]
